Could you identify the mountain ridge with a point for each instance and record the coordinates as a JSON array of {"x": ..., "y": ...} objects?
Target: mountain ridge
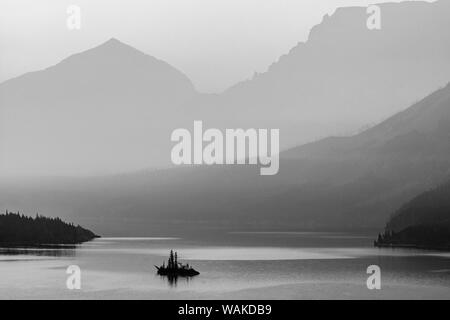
[
  {"x": 399, "y": 124},
  {"x": 327, "y": 85},
  {"x": 345, "y": 192},
  {"x": 360, "y": 77},
  {"x": 422, "y": 222},
  {"x": 106, "y": 101}
]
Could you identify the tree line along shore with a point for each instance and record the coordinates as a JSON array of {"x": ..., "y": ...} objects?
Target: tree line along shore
[{"x": 17, "y": 229}]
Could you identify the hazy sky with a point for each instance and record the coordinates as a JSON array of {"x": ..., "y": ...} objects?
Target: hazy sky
[{"x": 215, "y": 42}]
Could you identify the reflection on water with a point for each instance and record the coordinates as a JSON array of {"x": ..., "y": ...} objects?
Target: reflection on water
[
  {"x": 239, "y": 265},
  {"x": 141, "y": 239},
  {"x": 172, "y": 280},
  {"x": 60, "y": 251}
]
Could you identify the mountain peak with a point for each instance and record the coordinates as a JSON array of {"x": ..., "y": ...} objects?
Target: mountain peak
[
  {"x": 111, "y": 51},
  {"x": 113, "y": 40},
  {"x": 115, "y": 44}
]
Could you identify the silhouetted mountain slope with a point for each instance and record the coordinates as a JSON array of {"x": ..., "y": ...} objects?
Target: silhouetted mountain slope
[
  {"x": 364, "y": 177},
  {"x": 426, "y": 121},
  {"x": 429, "y": 208},
  {"x": 105, "y": 110},
  {"x": 112, "y": 108},
  {"x": 352, "y": 184},
  {"x": 101, "y": 71},
  {"x": 345, "y": 76},
  {"x": 337, "y": 183},
  {"x": 422, "y": 222}
]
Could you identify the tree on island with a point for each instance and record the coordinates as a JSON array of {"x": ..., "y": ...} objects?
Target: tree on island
[{"x": 172, "y": 263}]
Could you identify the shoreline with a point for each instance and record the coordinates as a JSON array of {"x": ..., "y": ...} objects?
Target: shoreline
[
  {"x": 27, "y": 245},
  {"x": 410, "y": 246}
]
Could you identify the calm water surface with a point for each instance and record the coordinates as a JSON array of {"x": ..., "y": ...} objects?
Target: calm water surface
[{"x": 264, "y": 265}]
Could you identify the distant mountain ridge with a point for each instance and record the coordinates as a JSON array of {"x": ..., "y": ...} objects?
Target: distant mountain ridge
[
  {"x": 334, "y": 184},
  {"x": 119, "y": 105},
  {"x": 430, "y": 116},
  {"x": 106, "y": 110},
  {"x": 346, "y": 76},
  {"x": 106, "y": 67}
]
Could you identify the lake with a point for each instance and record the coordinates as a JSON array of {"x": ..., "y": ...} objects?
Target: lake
[{"x": 239, "y": 265}]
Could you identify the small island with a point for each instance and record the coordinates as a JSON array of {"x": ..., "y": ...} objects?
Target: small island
[
  {"x": 20, "y": 230},
  {"x": 174, "y": 268}
]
